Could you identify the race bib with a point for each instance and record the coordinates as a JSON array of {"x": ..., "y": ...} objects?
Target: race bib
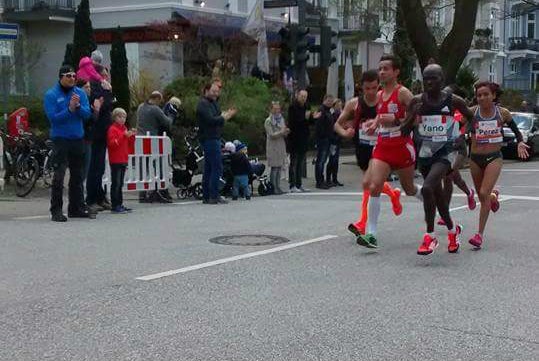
[
  {"x": 434, "y": 127},
  {"x": 488, "y": 131},
  {"x": 391, "y": 132},
  {"x": 392, "y": 108},
  {"x": 365, "y": 138}
]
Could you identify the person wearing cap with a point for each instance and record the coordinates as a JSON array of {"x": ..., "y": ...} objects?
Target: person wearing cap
[
  {"x": 151, "y": 120},
  {"x": 241, "y": 170},
  {"x": 67, "y": 109}
]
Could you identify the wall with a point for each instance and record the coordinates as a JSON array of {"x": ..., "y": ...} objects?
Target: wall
[{"x": 55, "y": 35}]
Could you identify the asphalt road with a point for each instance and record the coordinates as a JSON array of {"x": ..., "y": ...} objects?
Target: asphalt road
[{"x": 95, "y": 290}]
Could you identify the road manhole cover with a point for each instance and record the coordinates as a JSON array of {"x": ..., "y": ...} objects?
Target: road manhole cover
[{"x": 249, "y": 240}]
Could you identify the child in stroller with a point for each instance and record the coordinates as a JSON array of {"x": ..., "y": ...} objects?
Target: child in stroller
[
  {"x": 194, "y": 164},
  {"x": 257, "y": 173}
]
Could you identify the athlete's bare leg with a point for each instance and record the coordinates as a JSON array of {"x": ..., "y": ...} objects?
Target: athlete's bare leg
[{"x": 484, "y": 181}]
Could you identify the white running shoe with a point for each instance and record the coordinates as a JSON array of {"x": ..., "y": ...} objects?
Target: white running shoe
[{"x": 294, "y": 190}]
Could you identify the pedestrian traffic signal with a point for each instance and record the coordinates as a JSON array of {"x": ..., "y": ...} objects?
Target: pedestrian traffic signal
[
  {"x": 327, "y": 46},
  {"x": 287, "y": 47},
  {"x": 301, "y": 54}
]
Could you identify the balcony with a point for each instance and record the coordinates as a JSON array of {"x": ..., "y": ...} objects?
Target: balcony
[
  {"x": 486, "y": 43},
  {"x": 366, "y": 26},
  {"x": 39, "y": 10},
  {"x": 523, "y": 43}
]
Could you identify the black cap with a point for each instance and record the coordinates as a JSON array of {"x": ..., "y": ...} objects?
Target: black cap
[{"x": 65, "y": 69}]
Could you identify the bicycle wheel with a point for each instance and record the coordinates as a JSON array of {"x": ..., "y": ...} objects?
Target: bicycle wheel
[
  {"x": 26, "y": 174},
  {"x": 47, "y": 172}
]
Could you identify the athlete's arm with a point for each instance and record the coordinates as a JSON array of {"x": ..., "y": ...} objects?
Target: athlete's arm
[
  {"x": 411, "y": 114},
  {"x": 461, "y": 106},
  {"x": 341, "y": 127},
  {"x": 522, "y": 148},
  {"x": 405, "y": 96}
]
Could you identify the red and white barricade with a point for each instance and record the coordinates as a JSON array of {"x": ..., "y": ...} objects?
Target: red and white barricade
[
  {"x": 2, "y": 169},
  {"x": 149, "y": 165}
]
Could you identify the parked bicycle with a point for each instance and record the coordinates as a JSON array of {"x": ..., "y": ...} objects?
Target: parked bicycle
[{"x": 33, "y": 162}]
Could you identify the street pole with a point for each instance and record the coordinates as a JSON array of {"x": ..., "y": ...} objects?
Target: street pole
[
  {"x": 301, "y": 67},
  {"x": 5, "y": 86}
]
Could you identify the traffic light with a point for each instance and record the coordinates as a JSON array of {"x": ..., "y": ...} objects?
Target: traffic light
[
  {"x": 287, "y": 48},
  {"x": 301, "y": 54},
  {"x": 327, "y": 46}
]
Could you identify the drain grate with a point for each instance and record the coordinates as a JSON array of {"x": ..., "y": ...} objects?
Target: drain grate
[{"x": 249, "y": 240}]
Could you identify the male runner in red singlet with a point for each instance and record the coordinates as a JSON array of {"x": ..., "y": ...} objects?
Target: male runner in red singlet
[
  {"x": 393, "y": 150},
  {"x": 362, "y": 109}
]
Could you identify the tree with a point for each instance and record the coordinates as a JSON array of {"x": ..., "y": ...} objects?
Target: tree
[
  {"x": 403, "y": 49},
  {"x": 119, "y": 70},
  {"x": 83, "y": 37},
  {"x": 451, "y": 52},
  {"x": 68, "y": 55}
]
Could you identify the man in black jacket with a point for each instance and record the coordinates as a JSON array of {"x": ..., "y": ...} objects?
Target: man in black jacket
[
  {"x": 299, "y": 119},
  {"x": 95, "y": 194},
  {"x": 324, "y": 133},
  {"x": 210, "y": 126}
]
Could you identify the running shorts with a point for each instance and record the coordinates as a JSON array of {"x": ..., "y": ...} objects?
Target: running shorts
[
  {"x": 364, "y": 155},
  {"x": 396, "y": 155}
]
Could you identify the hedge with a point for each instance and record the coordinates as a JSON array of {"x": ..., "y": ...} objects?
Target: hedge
[{"x": 250, "y": 96}]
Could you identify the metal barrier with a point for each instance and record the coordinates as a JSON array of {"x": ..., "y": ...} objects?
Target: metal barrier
[
  {"x": 2, "y": 169},
  {"x": 149, "y": 165}
]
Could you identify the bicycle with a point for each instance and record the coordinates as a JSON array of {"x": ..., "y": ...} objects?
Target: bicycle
[{"x": 33, "y": 162}]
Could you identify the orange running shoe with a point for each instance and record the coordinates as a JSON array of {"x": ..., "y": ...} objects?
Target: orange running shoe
[
  {"x": 428, "y": 245},
  {"x": 396, "y": 202}
]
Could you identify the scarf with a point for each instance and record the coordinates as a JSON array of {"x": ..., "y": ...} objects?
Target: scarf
[{"x": 277, "y": 120}]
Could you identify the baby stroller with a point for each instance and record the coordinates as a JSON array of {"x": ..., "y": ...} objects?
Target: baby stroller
[{"x": 194, "y": 164}]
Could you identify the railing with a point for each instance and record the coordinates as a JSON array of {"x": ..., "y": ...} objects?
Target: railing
[
  {"x": 361, "y": 22},
  {"x": 523, "y": 44},
  {"x": 28, "y": 5},
  {"x": 517, "y": 83},
  {"x": 486, "y": 43}
]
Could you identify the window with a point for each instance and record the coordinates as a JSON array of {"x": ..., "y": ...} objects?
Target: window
[
  {"x": 243, "y": 6},
  {"x": 531, "y": 25},
  {"x": 385, "y": 10},
  {"x": 515, "y": 25},
  {"x": 491, "y": 72},
  {"x": 513, "y": 67}
]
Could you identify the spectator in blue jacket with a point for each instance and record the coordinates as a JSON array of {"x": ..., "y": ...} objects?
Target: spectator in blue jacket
[{"x": 67, "y": 108}]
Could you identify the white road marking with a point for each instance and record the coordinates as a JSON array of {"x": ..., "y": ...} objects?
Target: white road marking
[
  {"x": 30, "y": 217},
  {"x": 234, "y": 258},
  {"x": 501, "y": 199},
  {"x": 185, "y": 203},
  {"x": 519, "y": 170},
  {"x": 533, "y": 187}
]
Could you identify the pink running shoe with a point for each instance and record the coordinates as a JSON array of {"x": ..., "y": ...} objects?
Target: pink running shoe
[
  {"x": 471, "y": 200},
  {"x": 495, "y": 204},
  {"x": 476, "y": 241},
  {"x": 441, "y": 222}
]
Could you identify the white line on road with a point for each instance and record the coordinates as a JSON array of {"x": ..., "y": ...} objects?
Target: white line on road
[
  {"x": 234, "y": 258},
  {"x": 501, "y": 199},
  {"x": 27, "y": 218},
  {"x": 519, "y": 170}
]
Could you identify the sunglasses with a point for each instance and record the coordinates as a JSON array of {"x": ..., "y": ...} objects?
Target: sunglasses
[{"x": 70, "y": 75}]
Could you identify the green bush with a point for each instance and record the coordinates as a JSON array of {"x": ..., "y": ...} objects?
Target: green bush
[
  {"x": 511, "y": 99},
  {"x": 466, "y": 79},
  {"x": 250, "y": 96}
]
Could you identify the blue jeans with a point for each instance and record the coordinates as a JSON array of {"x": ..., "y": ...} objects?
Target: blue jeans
[
  {"x": 322, "y": 154},
  {"x": 333, "y": 163},
  {"x": 241, "y": 182},
  {"x": 213, "y": 168}
]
